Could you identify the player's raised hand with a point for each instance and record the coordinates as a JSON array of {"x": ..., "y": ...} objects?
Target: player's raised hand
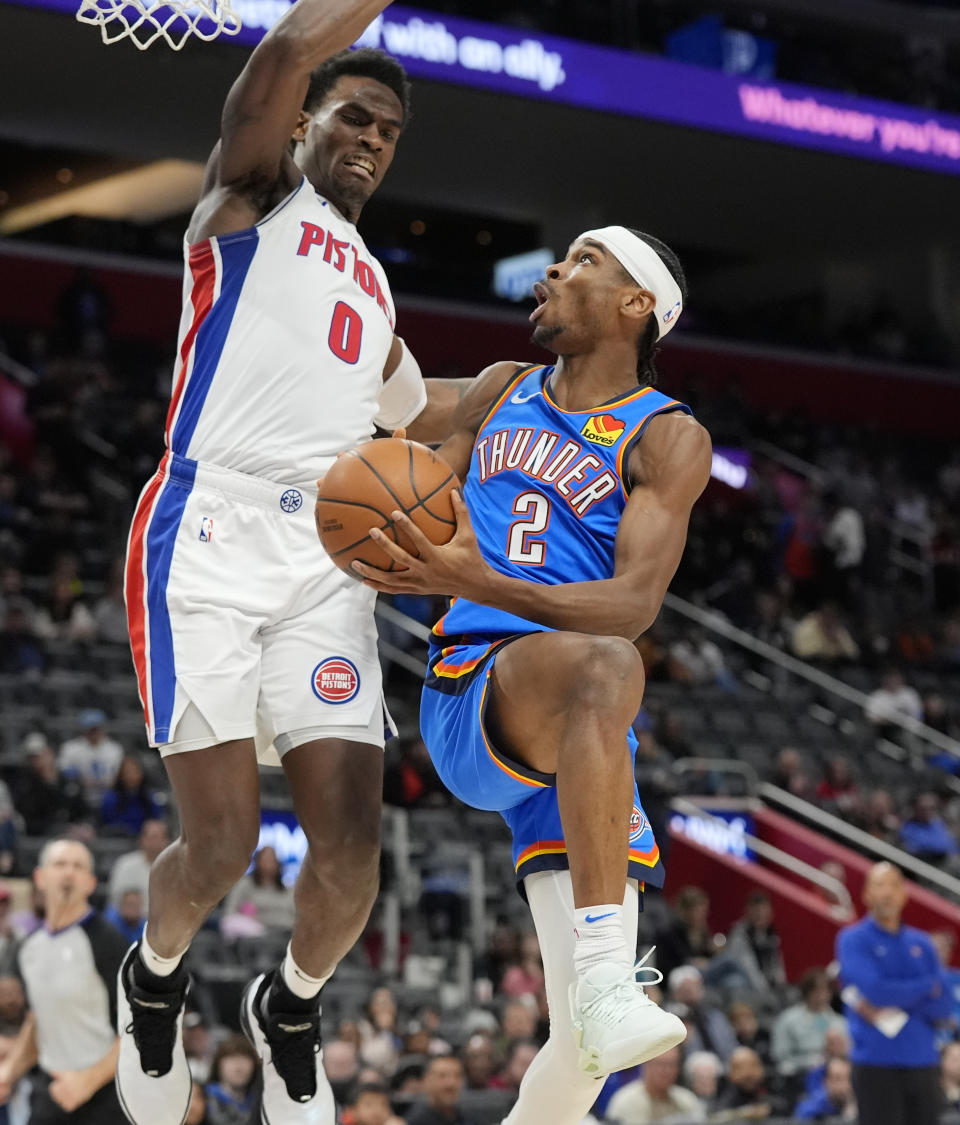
[{"x": 456, "y": 568}]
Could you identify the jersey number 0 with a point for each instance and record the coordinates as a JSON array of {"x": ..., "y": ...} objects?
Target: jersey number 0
[{"x": 346, "y": 333}]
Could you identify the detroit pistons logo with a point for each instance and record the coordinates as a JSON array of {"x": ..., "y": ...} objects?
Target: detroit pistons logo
[
  {"x": 291, "y": 501},
  {"x": 335, "y": 680},
  {"x": 638, "y": 824}
]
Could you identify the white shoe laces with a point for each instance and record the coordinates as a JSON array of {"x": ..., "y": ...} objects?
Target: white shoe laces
[{"x": 607, "y": 1006}]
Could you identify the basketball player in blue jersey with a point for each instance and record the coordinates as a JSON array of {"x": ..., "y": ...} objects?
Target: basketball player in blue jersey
[
  {"x": 244, "y": 634},
  {"x": 579, "y": 482}
]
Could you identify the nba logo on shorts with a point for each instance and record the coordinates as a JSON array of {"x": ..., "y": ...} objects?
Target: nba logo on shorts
[
  {"x": 206, "y": 529},
  {"x": 638, "y": 824},
  {"x": 336, "y": 680}
]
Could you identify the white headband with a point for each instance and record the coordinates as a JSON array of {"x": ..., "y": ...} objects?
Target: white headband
[{"x": 646, "y": 267}]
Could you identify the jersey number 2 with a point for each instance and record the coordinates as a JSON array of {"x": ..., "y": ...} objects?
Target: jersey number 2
[
  {"x": 346, "y": 333},
  {"x": 520, "y": 548}
]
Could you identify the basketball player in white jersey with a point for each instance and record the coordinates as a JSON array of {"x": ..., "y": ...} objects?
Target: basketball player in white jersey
[{"x": 243, "y": 634}]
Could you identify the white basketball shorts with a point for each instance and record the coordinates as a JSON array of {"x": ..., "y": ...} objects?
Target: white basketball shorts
[{"x": 234, "y": 607}]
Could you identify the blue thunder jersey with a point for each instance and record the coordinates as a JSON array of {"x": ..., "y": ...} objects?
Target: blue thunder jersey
[{"x": 546, "y": 490}]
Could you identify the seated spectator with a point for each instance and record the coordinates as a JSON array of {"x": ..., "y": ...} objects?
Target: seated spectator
[
  {"x": 233, "y": 1075},
  {"x": 836, "y": 1045},
  {"x": 92, "y": 757},
  {"x": 835, "y": 1101},
  {"x": 822, "y": 636},
  {"x": 261, "y": 899},
  {"x": 702, "y": 1072},
  {"x": 880, "y": 817},
  {"x": 198, "y": 1046},
  {"x": 8, "y": 832},
  {"x": 379, "y": 1031},
  {"x": 46, "y": 799},
  {"x": 743, "y": 1020},
  {"x": 442, "y": 1086},
  {"x": 688, "y": 940},
  {"x": 21, "y": 650},
  {"x": 371, "y": 1107},
  {"x": 746, "y": 1088},
  {"x": 656, "y": 1096},
  {"x": 341, "y": 1064},
  {"x": 838, "y": 788},
  {"x": 754, "y": 944},
  {"x": 707, "y": 1027},
  {"x": 13, "y": 1005},
  {"x": 410, "y": 780},
  {"x": 132, "y": 869},
  {"x": 697, "y": 660},
  {"x": 129, "y": 801},
  {"x": 527, "y": 975},
  {"x": 950, "y": 1074},
  {"x": 518, "y": 1021},
  {"x": 521, "y": 1055},
  {"x": 129, "y": 916},
  {"x": 63, "y": 616},
  {"x": 893, "y": 700},
  {"x": 799, "y": 1033},
  {"x": 789, "y": 763},
  {"x": 110, "y": 612},
  {"x": 478, "y": 1062},
  {"x": 926, "y": 834}
]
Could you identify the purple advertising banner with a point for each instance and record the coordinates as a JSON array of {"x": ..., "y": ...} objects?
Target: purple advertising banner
[{"x": 514, "y": 61}]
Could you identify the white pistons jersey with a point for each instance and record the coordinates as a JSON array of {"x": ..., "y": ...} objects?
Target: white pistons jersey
[{"x": 285, "y": 331}]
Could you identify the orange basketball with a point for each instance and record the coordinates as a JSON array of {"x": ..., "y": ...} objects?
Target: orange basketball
[{"x": 367, "y": 484}]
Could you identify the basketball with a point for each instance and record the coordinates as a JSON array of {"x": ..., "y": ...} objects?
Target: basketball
[{"x": 367, "y": 484}]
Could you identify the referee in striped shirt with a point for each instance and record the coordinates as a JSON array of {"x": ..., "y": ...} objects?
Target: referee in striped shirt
[{"x": 69, "y": 971}]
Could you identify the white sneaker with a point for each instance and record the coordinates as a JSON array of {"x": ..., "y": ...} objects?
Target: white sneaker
[
  {"x": 295, "y": 1087},
  {"x": 615, "y": 1023},
  {"x": 153, "y": 1079}
]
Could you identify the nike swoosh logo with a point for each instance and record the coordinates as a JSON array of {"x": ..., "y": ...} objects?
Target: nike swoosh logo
[
  {"x": 598, "y": 917},
  {"x": 293, "y": 1028},
  {"x": 159, "y": 1004},
  {"x": 519, "y": 399}
]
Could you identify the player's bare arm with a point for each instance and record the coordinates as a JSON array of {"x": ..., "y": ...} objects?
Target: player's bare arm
[
  {"x": 404, "y": 388},
  {"x": 669, "y": 470},
  {"x": 251, "y": 168}
]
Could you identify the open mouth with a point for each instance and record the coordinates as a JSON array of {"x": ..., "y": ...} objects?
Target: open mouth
[
  {"x": 362, "y": 164},
  {"x": 542, "y": 294}
]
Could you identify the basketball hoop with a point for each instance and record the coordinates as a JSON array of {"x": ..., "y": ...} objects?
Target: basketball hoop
[{"x": 145, "y": 21}]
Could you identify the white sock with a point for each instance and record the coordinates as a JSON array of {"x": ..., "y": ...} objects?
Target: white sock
[
  {"x": 300, "y": 983},
  {"x": 159, "y": 966},
  {"x": 598, "y": 933}
]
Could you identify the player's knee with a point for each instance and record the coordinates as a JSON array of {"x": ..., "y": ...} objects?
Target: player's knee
[
  {"x": 220, "y": 852},
  {"x": 349, "y": 863},
  {"x": 606, "y": 673}
]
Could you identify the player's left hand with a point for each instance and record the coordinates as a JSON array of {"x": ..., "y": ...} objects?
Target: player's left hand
[
  {"x": 70, "y": 1089},
  {"x": 453, "y": 569}
]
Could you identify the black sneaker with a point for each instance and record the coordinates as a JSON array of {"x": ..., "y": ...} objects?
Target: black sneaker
[
  {"x": 153, "y": 1079},
  {"x": 295, "y": 1088}
]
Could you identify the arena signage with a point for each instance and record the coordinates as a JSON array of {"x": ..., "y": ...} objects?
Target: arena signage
[
  {"x": 724, "y": 832},
  {"x": 514, "y": 61}
]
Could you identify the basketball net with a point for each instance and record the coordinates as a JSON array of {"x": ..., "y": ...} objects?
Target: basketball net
[{"x": 143, "y": 22}]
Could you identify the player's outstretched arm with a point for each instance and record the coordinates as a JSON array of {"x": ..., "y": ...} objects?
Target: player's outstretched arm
[
  {"x": 670, "y": 469},
  {"x": 425, "y": 408},
  {"x": 252, "y": 158}
]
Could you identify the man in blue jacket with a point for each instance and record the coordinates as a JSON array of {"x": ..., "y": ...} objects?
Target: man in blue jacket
[{"x": 895, "y": 994}]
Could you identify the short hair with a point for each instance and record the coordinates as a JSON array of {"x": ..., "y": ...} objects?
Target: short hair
[
  {"x": 812, "y": 979},
  {"x": 648, "y": 344},
  {"x": 234, "y": 1045},
  {"x": 51, "y": 844},
  {"x": 442, "y": 1056},
  {"x": 372, "y": 1088},
  {"x": 365, "y": 62}
]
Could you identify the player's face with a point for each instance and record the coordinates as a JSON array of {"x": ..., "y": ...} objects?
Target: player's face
[
  {"x": 350, "y": 141},
  {"x": 579, "y": 299}
]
